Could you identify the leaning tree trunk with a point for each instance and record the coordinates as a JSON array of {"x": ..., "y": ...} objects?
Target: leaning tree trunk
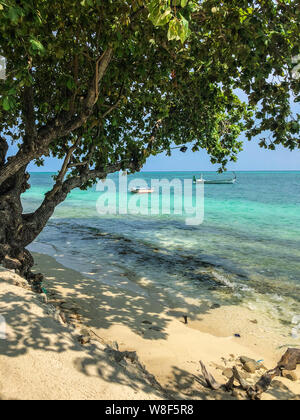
[
  {"x": 14, "y": 232},
  {"x": 18, "y": 230},
  {"x": 13, "y": 254}
]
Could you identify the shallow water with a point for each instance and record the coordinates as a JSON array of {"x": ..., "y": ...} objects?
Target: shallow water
[{"x": 247, "y": 250}]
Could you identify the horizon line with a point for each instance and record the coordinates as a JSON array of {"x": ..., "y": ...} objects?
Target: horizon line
[{"x": 156, "y": 171}]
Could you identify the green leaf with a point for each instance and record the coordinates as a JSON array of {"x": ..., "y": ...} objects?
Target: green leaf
[
  {"x": 184, "y": 3},
  {"x": 184, "y": 32},
  {"x": 174, "y": 30},
  {"x": 71, "y": 84},
  {"x": 5, "y": 104},
  {"x": 179, "y": 29},
  {"x": 164, "y": 18},
  {"x": 37, "y": 45},
  {"x": 13, "y": 14},
  {"x": 59, "y": 53},
  {"x": 8, "y": 103}
]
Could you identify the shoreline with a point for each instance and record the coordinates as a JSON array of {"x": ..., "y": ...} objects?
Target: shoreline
[
  {"x": 258, "y": 331},
  {"x": 169, "y": 349}
]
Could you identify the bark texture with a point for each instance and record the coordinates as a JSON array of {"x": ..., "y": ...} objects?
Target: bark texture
[{"x": 12, "y": 251}]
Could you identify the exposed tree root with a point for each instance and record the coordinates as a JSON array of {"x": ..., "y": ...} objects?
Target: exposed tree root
[{"x": 22, "y": 263}]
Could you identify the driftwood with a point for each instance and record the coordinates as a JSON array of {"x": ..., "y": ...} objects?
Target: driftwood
[
  {"x": 289, "y": 361},
  {"x": 263, "y": 384},
  {"x": 210, "y": 380},
  {"x": 245, "y": 386}
]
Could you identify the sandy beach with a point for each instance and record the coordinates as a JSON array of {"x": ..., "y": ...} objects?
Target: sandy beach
[{"x": 42, "y": 358}]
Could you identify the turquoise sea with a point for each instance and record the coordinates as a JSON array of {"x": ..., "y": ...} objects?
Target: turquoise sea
[{"x": 247, "y": 250}]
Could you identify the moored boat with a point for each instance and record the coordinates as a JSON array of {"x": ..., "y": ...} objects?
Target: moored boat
[
  {"x": 215, "y": 181},
  {"x": 142, "y": 190}
]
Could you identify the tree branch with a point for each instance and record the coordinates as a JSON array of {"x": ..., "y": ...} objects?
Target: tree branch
[
  {"x": 3, "y": 150},
  {"x": 115, "y": 105},
  {"x": 62, "y": 125},
  {"x": 35, "y": 222},
  {"x": 154, "y": 133},
  {"x": 65, "y": 165}
]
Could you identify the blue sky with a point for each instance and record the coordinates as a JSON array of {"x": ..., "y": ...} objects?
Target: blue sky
[{"x": 253, "y": 158}]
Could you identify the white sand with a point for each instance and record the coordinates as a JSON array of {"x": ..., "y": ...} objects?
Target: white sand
[{"x": 42, "y": 359}]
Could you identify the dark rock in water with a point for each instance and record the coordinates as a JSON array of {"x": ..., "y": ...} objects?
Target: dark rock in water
[
  {"x": 147, "y": 322},
  {"x": 123, "y": 252}
]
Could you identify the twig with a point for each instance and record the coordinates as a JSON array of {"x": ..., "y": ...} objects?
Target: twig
[
  {"x": 65, "y": 165},
  {"x": 115, "y": 105}
]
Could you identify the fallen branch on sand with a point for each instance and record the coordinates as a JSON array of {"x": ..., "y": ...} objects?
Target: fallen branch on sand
[
  {"x": 210, "y": 380},
  {"x": 289, "y": 361}
]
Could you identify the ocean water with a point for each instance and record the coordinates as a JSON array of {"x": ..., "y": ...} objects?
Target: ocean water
[{"x": 246, "y": 251}]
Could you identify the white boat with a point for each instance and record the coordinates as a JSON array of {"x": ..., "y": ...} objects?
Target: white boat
[
  {"x": 142, "y": 190},
  {"x": 215, "y": 181}
]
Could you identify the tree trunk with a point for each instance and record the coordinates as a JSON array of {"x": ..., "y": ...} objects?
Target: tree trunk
[
  {"x": 13, "y": 254},
  {"x": 18, "y": 230}
]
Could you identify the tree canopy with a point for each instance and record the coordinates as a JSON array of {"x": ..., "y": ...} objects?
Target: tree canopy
[
  {"x": 104, "y": 84},
  {"x": 172, "y": 71}
]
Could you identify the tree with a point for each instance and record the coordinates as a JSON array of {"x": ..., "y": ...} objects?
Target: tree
[{"x": 104, "y": 84}]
